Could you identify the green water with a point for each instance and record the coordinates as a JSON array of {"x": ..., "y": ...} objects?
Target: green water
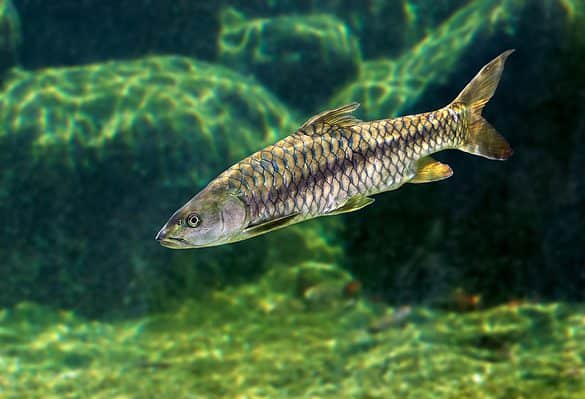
[{"x": 114, "y": 115}]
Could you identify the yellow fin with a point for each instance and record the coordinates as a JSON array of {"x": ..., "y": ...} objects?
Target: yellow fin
[
  {"x": 340, "y": 116},
  {"x": 353, "y": 204},
  {"x": 481, "y": 88},
  {"x": 429, "y": 170}
]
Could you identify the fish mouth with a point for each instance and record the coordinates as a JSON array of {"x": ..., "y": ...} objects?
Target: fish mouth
[
  {"x": 180, "y": 243},
  {"x": 173, "y": 242}
]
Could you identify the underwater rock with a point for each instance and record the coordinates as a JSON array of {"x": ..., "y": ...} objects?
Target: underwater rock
[
  {"x": 384, "y": 28},
  {"x": 10, "y": 35},
  {"x": 387, "y": 87},
  {"x": 225, "y": 347},
  {"x": 315, "y": 284},
  {"x": 389, "y": 28},
  {"x": 99, "y": 156},
  {"x": 301, "y": 58}
]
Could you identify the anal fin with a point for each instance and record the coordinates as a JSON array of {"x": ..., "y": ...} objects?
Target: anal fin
[
  {"x": 353, "y": 204},
  {"x": 429, "y": 169}
]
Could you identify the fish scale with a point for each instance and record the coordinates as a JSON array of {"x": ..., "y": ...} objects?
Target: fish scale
[
  {"x": 333, "y": 163},
  {"x": 316, "y": 170}
]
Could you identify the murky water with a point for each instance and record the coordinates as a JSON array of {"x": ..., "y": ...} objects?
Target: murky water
[{"x": 114, "y": 115}]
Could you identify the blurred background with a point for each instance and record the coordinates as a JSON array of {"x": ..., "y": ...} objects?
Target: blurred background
[
  {"x": 109, "y": 126},
  {"x": 113, "y": 114}
]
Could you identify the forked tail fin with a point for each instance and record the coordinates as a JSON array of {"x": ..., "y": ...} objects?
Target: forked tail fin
[{"x": 482, "y": 138}]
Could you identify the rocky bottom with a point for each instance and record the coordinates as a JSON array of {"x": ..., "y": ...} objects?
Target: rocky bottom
[{"x": 251, "y": 342}]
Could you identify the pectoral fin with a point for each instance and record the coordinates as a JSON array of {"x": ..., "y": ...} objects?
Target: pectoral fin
[
  {"x": 353, "y": 204},
  {"x": 429, "y": 170},
  {"x": 270, "y": 225}
]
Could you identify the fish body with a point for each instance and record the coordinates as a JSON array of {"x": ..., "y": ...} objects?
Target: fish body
[
  {"x": 321, "y": 167},
  {"x": 332, "y": 164}
]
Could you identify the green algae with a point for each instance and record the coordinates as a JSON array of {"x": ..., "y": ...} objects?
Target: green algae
[
  {"x": 316, "y": 53},
  {"x": 93, "y": 105},
  {"x": 157, "y": 129},
  {"x": 388, "y": 86},
  {"x": 233, "y": 345}
]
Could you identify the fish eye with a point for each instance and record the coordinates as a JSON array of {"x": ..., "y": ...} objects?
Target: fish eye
[{"x": 193, "y": 220}]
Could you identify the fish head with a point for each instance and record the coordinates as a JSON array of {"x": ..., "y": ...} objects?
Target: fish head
[{"x": 214, "y": 216}]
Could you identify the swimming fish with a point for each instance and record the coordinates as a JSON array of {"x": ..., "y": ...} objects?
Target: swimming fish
[{"x": 333, "y": 164}]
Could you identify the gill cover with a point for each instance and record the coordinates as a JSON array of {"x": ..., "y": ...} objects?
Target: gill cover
[{"x": 221, "y": 217}]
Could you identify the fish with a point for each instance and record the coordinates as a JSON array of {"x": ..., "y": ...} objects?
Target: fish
[{"x": 333, "y": 164}]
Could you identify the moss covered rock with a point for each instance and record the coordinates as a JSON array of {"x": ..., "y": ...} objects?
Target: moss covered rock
[
  {"x": 389, "y": 86},
  {"x": 239, "y": 344},
  {"x": 100, "y": 156},
  {"x": 301, "y": 58},
  {"x": 384, "y": 28}
]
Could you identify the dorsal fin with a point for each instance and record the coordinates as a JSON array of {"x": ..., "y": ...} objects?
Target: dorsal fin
[{"x": 340, "y": 116}]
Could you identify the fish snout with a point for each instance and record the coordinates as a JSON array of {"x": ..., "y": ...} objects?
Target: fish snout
[
  {"x": 162, "y": 234},
  {"x": 165, "y": 237}
]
